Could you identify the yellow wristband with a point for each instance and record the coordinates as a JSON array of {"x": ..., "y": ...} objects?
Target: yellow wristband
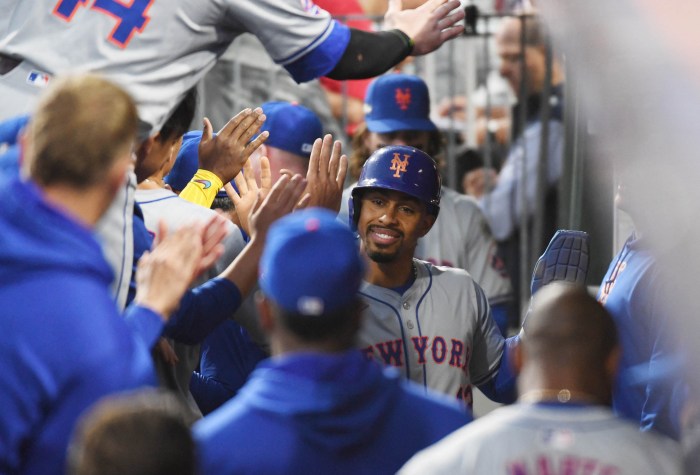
[{"x": 202, "y": 188}]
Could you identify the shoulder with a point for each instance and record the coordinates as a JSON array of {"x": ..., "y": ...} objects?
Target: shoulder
[
  {"x": 443, "y": 275},
  {"x": 455, "y": 452},
  {"x": 452, "y": 196}
]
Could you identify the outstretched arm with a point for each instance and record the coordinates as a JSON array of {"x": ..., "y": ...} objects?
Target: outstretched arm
[
  {"x": 415, "y": 32},
  {"x": 205, "y": 307},
  {"x": 222, "y": 157}
]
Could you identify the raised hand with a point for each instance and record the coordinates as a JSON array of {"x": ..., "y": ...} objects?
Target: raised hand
[
  {"x": 164, "y": 274},
  {"x": 248, "y": 190},
  {"x": 213, "y": 233},
  {"x": 428, "y": 25},
  {"x": 281, "y": 200},
  {"x": 326, "y": 175},
  {"x": 225, "y": 154}
]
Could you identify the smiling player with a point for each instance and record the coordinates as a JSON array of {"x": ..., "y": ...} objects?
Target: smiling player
[{"x": 433, "y": 323}]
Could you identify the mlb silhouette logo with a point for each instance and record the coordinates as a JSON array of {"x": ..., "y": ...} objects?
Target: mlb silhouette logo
[
  {"x": 403, "y": 98},
  {"x": 38, "y": 79},
  {"x": 398, "y": 166},
  {"x": 310, "y": 7}
]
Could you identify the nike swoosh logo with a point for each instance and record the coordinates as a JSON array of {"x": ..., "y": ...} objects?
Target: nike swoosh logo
[{"x": 205, "y": 183}]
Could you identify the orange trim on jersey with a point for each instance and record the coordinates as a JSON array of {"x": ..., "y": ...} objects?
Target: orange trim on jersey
[
  {"x": 119, "y": 20},
  {"x": 75, "y": 9}
]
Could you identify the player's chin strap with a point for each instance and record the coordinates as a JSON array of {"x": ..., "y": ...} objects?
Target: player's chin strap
[{"x": 565, "y": 260}]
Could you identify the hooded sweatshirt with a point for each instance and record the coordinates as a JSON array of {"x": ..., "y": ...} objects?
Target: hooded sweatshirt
[
  {"x": 323, "y": 413},
  {"x": 63, "y": 345}
]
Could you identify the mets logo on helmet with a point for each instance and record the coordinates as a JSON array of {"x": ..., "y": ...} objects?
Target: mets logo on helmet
[
  {"x": 397, "y": 165},
  {"x": 403, "y": 98}
]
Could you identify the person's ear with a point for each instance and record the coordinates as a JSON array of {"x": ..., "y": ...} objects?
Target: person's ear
[
  {"x": 144, "y": 148},
  {"x": 427, "y": 223},
  {"x": 516, "y": 358},
  {"x": 612, "y": 363}
]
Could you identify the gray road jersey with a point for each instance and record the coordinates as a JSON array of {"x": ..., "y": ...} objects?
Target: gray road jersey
[
  {"x": 164, "y": 51},
  {"x": 531, "y": 439},
  {"x": 461, "y": 238},
  {"x": 439, "y": 333}
]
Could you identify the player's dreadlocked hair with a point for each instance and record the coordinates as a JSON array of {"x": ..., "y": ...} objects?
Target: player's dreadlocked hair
[{"x": 360, "y": 152}]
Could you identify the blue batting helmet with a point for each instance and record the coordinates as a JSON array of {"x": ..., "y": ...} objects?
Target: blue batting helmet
[{"x": 399, "y": 168}]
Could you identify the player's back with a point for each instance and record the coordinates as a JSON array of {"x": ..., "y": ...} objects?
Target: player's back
[
  {"x": 157, "y": 50},
  {"x": 338, "y": 414},
  {"x": 553, "y": 439}
]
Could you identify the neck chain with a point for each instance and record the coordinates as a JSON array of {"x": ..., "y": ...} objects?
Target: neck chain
[
  {"x": 158, "y": 182},
  {"x": 557, "y": 395}
]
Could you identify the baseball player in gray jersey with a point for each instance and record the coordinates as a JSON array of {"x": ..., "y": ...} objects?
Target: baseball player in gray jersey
[
  {"x": 562, "y": 423},
  {"x": 432, "y": 322},
  {"x": 398, "y": 113},
  {"x": 159, "y": 49}
]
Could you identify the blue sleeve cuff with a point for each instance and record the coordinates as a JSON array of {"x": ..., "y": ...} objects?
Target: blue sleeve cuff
[
  {"x": 322, "y": 56},
  {"x": 208, "y": 393},
  {"x": 145, "y": 323},
  {"x": 502, "y": 387},
  {"x": 246, "y": 238}
]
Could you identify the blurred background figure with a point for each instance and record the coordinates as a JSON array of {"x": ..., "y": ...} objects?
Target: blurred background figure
[
  {"x": 509, "y": 196},
  {"x": 139, "y": 433}
]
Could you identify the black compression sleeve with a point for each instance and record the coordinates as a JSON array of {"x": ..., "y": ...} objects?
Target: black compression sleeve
[{"x": 369, "y": 54}]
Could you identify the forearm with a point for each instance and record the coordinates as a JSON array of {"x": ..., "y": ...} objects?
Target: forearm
[
  {"x": 502, "y": 387},
  {"x": 202, "y": 310},
  {"x": 370, "y": 54},
  {"x": 202, "y": 188},
  {"x": 243, "y": 271}
]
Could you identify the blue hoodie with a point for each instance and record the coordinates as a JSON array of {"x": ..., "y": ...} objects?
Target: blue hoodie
[
  {"x": 650, "y": 386},
  {"x": 63, "y": 345},
  {"x": 321, "y": 413}
]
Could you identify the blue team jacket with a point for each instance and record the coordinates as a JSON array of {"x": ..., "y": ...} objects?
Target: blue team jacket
[
  {"x": 649, "y": 388},
  {"x": 319, "y": 413},
  {"x": 63, "y": 345}
]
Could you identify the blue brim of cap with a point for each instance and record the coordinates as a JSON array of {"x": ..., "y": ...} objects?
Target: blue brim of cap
[{"x": 385, "y": 126}]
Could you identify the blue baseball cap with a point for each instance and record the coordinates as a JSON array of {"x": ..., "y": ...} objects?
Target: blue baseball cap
[
  {"x": 292, "y": 127},
  {"x": 187, "y": 161},
  {"x": 9, "y": 148},
  {"x": 311, "y": 263},
  {"x": 10, "y": 129},
  {"x": 396, "y": 102}
]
